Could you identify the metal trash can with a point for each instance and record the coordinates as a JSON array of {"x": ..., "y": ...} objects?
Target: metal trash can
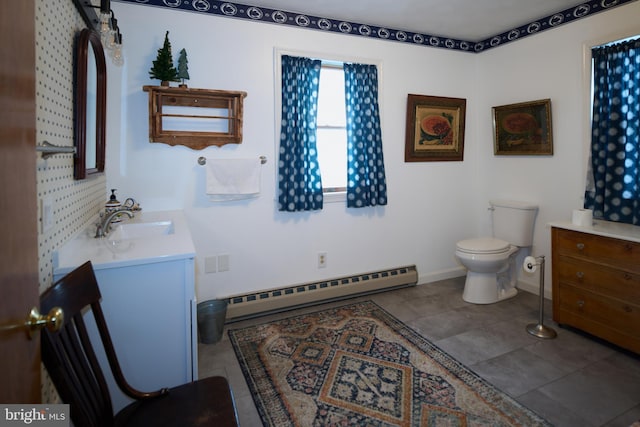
[{"x": 211, "y": 317}]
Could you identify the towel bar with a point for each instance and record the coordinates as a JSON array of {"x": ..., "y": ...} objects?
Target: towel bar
[
  {"x": 47, "y": 149},
  {"x": 203, "y": 160}
]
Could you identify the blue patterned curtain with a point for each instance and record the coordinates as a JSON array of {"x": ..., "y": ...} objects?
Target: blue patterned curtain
[
  {"x": 366, "y": 182},
  {"x": 299, "y": 183},
  {"x": 614, "y": 191}
]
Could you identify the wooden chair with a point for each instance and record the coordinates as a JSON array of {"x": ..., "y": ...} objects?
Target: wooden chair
[{"x": 71, "y": 362}]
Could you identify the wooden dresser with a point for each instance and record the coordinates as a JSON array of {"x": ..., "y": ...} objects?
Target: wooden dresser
[{"x": 596, "y": 280}]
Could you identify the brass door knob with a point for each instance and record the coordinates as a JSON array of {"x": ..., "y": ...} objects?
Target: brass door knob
[{"x": 52, "y": 321}]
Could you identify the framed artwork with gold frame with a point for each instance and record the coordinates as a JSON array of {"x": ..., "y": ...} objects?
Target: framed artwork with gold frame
[
  {"x": 435, "y": 128},
  {"x": 523, "y": 129}
]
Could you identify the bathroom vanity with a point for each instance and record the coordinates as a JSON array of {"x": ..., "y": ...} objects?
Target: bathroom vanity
[
  {"x": 596, "y": 280},
  {"x": 145, "y": 271}
]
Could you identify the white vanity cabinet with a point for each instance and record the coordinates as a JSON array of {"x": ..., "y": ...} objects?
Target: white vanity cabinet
[{"x": 149, "y": 304}]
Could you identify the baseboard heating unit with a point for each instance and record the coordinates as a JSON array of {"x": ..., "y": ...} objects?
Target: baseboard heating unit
[{"x": 245, "y": 306}]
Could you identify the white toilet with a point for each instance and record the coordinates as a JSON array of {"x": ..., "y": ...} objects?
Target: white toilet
[{"x": 491, "y": 261}]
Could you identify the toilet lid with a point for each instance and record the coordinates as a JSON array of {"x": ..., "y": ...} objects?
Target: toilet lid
[{"x": 483, "y": 245}]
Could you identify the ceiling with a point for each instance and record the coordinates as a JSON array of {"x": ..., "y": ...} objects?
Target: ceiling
[
  {"x": 470, "y": 20},
  {"x": 468, "y": 25}
]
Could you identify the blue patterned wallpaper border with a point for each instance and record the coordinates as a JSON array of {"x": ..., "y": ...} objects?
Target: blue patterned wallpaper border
[{"x": 281, "y": 17}]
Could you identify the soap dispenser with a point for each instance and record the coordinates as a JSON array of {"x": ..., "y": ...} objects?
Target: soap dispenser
[{"x": 113, "y": 204}]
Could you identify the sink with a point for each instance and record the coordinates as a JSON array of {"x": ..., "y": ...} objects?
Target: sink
[
  {"x": 148, "y": 238},
  {"x": 140, "y": 230}
]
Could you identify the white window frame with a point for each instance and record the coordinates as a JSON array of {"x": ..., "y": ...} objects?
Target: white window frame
[
  {"x": 328, "y": 125},
  {"x": 328, "y": 196}
]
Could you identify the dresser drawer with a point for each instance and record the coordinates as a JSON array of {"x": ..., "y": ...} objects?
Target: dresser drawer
[
  {"x": 598, "y": 279},
  {"x": 606, "y": 250},
  {"x": 612, "y": 313}
]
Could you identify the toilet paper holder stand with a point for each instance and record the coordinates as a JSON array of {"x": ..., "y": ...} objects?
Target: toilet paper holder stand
[{"x": 539, "y": 330}]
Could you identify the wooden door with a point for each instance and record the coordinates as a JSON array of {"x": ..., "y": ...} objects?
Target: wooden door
[{"x": 19, "y": 356}]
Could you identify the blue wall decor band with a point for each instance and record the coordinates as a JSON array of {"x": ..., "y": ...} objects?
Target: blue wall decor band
[{"x": 281, "y": 17}]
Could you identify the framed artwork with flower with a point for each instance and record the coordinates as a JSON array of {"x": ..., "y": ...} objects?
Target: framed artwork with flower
[
  {"x": 435, "y": 128},
  {"x": 523, "y": 129}
]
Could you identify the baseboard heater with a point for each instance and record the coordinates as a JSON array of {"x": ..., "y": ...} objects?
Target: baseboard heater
[{"x": 245, "y": 306}]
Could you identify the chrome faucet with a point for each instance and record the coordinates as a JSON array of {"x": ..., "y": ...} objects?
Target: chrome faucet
[{"x": 104, "y": 225}]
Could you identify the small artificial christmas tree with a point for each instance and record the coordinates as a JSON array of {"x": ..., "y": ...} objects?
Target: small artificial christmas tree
[
  {"x": 163, "y": 68},
  {"x": 183, "y": 69}
]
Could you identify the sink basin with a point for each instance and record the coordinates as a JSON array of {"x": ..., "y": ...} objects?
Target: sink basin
[
  {"x": 148, "y": 238},
  {"x": 141, "y": 230}
]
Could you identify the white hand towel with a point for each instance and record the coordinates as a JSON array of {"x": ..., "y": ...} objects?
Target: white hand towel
[{"x": 233, "y": 179}]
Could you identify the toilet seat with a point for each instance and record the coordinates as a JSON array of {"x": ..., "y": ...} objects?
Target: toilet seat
[{"x": 483, "y": 245}]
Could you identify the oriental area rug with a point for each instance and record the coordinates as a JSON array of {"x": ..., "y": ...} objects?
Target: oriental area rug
[{"x": 357, "y": 365}]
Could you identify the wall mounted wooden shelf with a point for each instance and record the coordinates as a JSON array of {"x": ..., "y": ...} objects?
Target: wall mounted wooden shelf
[{"x": 196, "y": 118}]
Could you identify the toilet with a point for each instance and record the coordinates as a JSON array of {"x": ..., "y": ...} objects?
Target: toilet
[{"x": 491, "y": 261}]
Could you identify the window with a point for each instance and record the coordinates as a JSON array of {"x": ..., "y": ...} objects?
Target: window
[
  {"x": 613, "y": 182},
  {"x": 332, "y": 128},
  {"x": 329, "y": 145}
]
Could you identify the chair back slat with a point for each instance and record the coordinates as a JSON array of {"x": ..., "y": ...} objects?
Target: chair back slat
[
  {"x": 99, "y": 391},
  {"x": 79, "y": 382},
  {"x": 68, "y": 354}
]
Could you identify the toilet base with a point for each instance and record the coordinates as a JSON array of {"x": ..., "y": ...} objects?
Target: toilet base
[{"x": 483, "y": 288}]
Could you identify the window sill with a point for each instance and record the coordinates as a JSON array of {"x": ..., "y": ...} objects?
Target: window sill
[{"x": 334, "y": 197}]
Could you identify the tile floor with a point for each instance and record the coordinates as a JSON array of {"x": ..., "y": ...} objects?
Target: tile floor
[{"x": 573, "y": 380}]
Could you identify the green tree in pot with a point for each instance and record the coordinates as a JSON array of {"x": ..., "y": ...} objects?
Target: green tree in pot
[
  {"x": 183, "y": 69},
  {"x": 163, "y": 68}
]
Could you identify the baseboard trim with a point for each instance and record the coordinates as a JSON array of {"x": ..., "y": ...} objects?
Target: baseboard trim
[
  {"x": 436, "y": 276},
  {"x": 527, "y": 286},
  {"x": 533, "y": 288}
]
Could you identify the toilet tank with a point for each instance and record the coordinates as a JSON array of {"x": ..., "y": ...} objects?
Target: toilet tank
[{"x": 513, "y": 221}]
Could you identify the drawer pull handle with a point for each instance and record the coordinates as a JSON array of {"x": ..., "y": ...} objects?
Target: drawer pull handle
[
  {"x": 580, "y": 246},
  {"x": 580, "y": 274},
  {"x": 580, "y": 303},
  {"x": 627, "y": 276},
  {"x": 628, "y": 309},
  {"x": 628, "y": 247}
]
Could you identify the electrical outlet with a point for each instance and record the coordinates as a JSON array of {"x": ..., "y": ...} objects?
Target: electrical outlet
[{"x": 322, "y": 259}]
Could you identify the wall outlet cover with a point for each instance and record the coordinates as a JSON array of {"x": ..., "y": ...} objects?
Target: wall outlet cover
[
  {"x": 46, "y": 213},
  {"x": 210, "y": 264},
  {"x": 322, "y": 259},
  {"x": 223, "y": 262}
]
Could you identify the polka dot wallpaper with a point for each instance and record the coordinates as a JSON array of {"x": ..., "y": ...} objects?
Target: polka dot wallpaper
[{"x": 74, "y": 202}]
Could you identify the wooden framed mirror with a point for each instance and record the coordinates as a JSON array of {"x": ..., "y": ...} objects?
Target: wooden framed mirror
[{"x": 90, "y": 105}]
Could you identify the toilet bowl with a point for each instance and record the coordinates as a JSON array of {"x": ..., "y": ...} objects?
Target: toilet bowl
[
  {"x": 485, "y": 259},
  {"x": 491, "y": 261}
]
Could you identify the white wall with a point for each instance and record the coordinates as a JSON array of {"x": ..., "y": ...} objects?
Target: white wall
[
  {"x": 431, "y": 204},
  {"x": 547, "y": 65}
]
